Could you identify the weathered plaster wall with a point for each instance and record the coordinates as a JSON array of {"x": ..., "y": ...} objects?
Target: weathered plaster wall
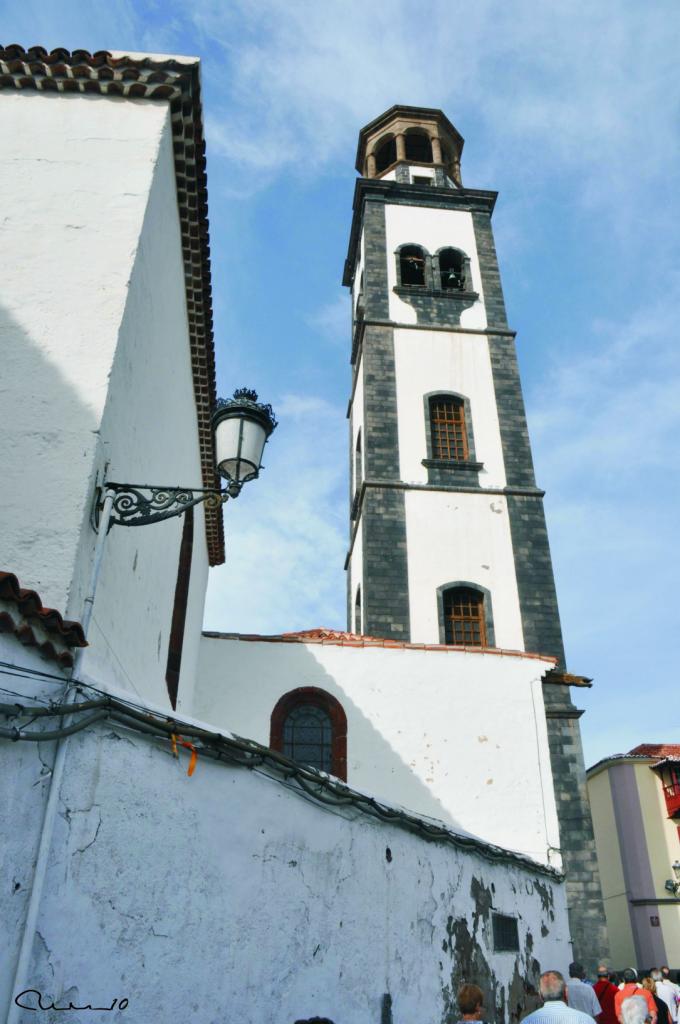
[
  {"x": 148, "y": 435},
  {"x": 97, "y": 370},
  {"x": 227, "y": 896},
  {"x": 415, "y": 733},
  {"x": 75, "y": 178}
]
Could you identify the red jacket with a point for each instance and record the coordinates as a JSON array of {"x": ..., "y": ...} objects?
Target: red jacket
[{"x": 606, "y": 994}]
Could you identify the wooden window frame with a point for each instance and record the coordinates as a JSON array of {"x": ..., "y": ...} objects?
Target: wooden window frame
[
  {"x": 320, "y": 699},
  {"x": 458, "y": 423},
  {"x": 488, "y": 630}
]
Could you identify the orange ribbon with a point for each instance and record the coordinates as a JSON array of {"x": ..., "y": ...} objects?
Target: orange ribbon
[{"x": 175, "y": 738}]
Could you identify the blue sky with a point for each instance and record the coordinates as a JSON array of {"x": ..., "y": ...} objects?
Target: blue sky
[{"x": 571, "y": 111}]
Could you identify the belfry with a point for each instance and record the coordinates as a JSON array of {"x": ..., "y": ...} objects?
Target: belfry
[{"x": 448, "y": 541}]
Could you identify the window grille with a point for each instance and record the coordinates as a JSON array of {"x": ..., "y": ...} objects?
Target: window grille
[
  {"x": 505, "y": 934},
  {"x": 464, "y": 621},
  {"x": 449, "y": 434},
  {"x": 308, "y": 735},
  {"x": 310, "y": 726}
]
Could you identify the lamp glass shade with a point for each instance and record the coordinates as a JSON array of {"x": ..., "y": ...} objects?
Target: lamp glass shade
[{"x": 239, "y": 442}]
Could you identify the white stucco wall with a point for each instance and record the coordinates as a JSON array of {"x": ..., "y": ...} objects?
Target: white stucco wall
[
  {"x": 455, "y": 538},
  {"x": 435, "y": 731},
  {"x": 92, "y": 314},
  {"x": 430, "y": 361},
  {"x": 74, "y": 177},
  {"x": 227, "y": 896},
  {"x": 433, "y": 229},
  {"x": 149, "y": 434}
]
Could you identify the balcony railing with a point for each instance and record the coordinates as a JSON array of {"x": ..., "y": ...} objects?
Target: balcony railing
[{"x": 672, "y": 794}]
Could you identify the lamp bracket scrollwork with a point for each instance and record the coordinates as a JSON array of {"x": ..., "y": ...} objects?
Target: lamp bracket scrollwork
[{"x": 141, "y": 504}]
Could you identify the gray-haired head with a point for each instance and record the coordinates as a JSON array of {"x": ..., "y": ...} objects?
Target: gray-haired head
[
  {"x": 551, "y": 985},
  {"x": 634, "y": 1010}
]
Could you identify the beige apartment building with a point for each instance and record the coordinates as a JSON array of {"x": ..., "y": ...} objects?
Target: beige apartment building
[{"x": 635, "y": 802}]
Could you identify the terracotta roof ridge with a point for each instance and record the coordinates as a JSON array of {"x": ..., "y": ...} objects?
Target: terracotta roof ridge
[
  {"x": 31, "y": 607},
  {"x": 338, "y": 638}
]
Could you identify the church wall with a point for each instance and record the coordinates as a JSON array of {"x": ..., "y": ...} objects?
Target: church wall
[
  {"x": 464, "y": 538},
  {"x": 228, "y": 896},
  {"x": 432, "y": 228},
  {"x": 75, "y": 176},
  {"x": 431, "y": 361},
  {"x": 149, "y": 435},
  {"x": 446, "y": 734}
]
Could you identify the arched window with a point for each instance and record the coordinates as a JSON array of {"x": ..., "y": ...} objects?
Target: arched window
[
  {"x": 418, "y": 147},
  {"x": 464, "y": 617},
  {"x": 385, "y": 154},
  {"x": 358, "y": 465},
  {"x": 357, "y": 611},
  {"x": 448, "y": 429},
  {"x": 412, "y": 265},
  {"x": 452, "y": 270},
  {"x": 309, "y": 725}
]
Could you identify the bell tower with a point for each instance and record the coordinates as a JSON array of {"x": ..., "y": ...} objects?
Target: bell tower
[{"x": 448, "y": 541}]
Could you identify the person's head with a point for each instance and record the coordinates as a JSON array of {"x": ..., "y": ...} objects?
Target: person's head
[
  {"x": 657, "y": 975},
  {"x": 602, "y": 971},
  {"x": 634, "y": 1010},
  {"x": 576, "y": 971},
  {"x": 649, "y": 984},
  {"x": 629, "y": 975},
  {"x": 470, "y": 1001},
  {"x": 551, "y": 986},
  {"x": 666, "y": 971}
]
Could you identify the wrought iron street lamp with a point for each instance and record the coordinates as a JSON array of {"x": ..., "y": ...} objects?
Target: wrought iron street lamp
[
  {"x": 242, "y": 426},
  {"x": 674, "y": 886}
]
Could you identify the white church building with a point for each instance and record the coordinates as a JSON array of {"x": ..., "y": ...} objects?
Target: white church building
[{"x": 344, "y": 825}]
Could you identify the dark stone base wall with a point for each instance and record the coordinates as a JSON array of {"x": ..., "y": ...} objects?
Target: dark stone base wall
[{"x": 590, "y": 942}]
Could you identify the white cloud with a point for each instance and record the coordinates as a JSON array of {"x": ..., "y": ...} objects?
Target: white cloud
[
  {"x": 575, "y": 89},
  {"x": 332, "y": 320},
  {"x": 287, "y": 533},
  {"x": 605, "y": 429}
]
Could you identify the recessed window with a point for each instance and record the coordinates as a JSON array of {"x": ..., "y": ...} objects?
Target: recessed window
[
  {"x": 307, "y": 736},
  {"x": 505, "y": 933},
  {"x": 412, "y": 265},
  {"x": 308, "y": 725},
  {"x": 464, "y": 620},
  {"x": 448, "y": 429},
  {"x": 357, "y": 611},
  {"x": 418, "y": 147},
  {"x": 358, "y": 464},
  {"x": 385, "y": 155}
]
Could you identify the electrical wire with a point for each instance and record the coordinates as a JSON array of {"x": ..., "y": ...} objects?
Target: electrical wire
[{"x": 234, "y": 750}]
